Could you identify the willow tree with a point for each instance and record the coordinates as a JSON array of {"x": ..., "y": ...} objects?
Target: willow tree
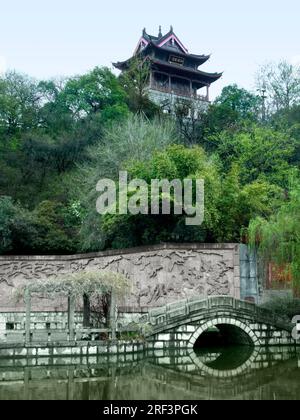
[{"x": 278, "y": 238}]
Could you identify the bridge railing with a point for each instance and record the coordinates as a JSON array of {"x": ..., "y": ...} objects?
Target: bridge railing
[{"x": 190, "y": 307}]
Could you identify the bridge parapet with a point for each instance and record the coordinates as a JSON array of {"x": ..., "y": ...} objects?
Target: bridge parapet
[{"x": 197, "y": 307}]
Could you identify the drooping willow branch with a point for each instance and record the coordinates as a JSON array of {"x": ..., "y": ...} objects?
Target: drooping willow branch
[{"x": 278, "y": 238}]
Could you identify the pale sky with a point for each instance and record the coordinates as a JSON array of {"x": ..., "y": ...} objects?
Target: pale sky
[{"x": 46, "y": 38}]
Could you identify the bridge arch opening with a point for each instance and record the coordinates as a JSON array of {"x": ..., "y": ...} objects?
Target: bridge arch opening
[
  {"x": 220, "y": 346},
  {"x": 223, "y": 335}
]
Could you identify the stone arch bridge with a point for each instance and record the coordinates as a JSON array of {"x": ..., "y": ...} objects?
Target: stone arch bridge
[{"x": 181, "y": 324}]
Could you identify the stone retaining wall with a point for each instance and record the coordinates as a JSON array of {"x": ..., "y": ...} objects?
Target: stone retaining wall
[{"x": 87, "y": 349}]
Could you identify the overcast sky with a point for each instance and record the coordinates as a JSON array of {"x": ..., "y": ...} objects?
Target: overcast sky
[{"x": 64, "y": 37}]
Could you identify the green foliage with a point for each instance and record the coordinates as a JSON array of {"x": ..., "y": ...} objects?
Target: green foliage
[
  {"x": 239, "y": 203},
  {"x": 260, "y": 152},
  {"x": 285, "y": 307},
  {"x": 7, "y": 212},
  {"x": 136, "y": 139},
  {"x": 175, "y": 162},
  {"x": 277, "y": 237},
  {"x": 286, "y": 118},
  {"x": 19, "y": 103},
  {"x": 16, "y": 227},
  {"x": 50, "y": 228},
  {"x": 239, "y": 102},
  {"x": 46, "y": 129},
  {"x": 135, "y": 82},
  {"x": 57, "y": 228},
  {"x": 58, "y": 138},
  {"x": 229, "y": 205},
  {"x": 232, "y": 111},
  {"x": 92, "y": 93}
]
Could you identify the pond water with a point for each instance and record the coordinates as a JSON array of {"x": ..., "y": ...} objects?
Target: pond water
[{"x": 207, "y": 374}]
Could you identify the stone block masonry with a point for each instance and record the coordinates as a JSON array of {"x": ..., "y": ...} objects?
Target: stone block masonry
[
  {"x": 77, "y": 350},
  {"x": 180, "y": 325},
  {"x": 184, "y": 337}
]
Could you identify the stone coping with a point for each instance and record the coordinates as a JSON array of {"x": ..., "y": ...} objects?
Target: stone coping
[{"x": 117, "y": 252}]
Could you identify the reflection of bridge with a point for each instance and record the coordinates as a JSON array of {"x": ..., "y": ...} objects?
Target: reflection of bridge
[
  {"x": 167, "y": 374},
  {"x": 182, "y": 323}
]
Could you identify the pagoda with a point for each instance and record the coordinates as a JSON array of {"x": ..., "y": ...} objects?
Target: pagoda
[{"x": 174, "y": 72}]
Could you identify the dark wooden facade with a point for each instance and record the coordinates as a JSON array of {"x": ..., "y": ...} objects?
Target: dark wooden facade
[{"x": 173, "y": 69}]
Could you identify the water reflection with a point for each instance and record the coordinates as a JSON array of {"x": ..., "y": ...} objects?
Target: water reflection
[
  {"x": 212, "y": 373},
  {"x": 224, "y": 359}
]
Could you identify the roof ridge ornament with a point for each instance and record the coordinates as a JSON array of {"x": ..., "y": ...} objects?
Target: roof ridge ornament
[
  {"x": 171, "y": 28},
  {"x": 160, "y": 32},
  {"x": 144, "y": 32}
]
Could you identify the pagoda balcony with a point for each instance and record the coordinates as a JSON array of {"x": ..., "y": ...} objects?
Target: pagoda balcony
[{"x": 178, "y": 91}]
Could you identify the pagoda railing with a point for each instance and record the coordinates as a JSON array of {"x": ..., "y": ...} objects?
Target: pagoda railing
[{"x": 178, "y": 92}]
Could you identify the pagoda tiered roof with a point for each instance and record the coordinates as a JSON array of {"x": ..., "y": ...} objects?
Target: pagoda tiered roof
[{"x": 167, "y": 53}]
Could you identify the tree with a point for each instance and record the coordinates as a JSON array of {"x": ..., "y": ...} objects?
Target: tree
[
  {"x": 50, "y": 228},
  {"x": 282, "y": 84},
  {"x": 242, "y": 103},
  {"x": 7, "y": 211},
  {"x": 19, "y": 103},
  {"x": 277, "y": 237},
  {"x": 233, "y": 111},
  {"x": 96, "y": 92},
  {"x": 135, "y": 139},
  {"x": 260, "y": 152},
  {"x": 175, "y": 162},
  {"x": 57, "y": 228},
  {"x": 190, "y": 116},
  {"x": 135, "y": 81},
  {"x": 239, "y": 203},
  {"x": 17, "y": 230},
  {"x": 55, "y": 116}
]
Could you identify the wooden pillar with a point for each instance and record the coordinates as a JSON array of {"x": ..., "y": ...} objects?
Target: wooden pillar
[
  {"x": 112, "y": 315},
  {"x": 191, "y": 88},
  {"x": 86, "y": 311},
  {"x": 207, "y": 92},
  {"x": 71, "y": 317},
  {"x": 151, "y": 78},
  {"x": 170, "y": 84},
  {"x": 28, "y": 316}
]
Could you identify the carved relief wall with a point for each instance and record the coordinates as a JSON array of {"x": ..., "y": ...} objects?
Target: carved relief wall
[{"x": 158, "y": 275}]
